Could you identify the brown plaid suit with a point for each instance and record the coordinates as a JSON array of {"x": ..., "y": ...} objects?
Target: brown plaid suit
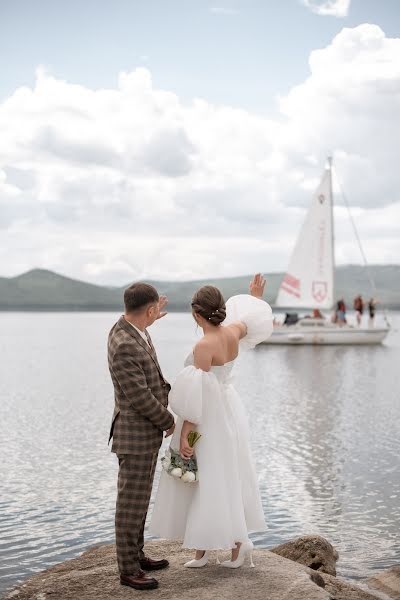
[{"x": 140, "y": 416}]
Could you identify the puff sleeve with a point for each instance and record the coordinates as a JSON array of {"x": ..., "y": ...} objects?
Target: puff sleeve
[
  {"x": 255, "y": 313},
  {"x": 186, "y": 395}
]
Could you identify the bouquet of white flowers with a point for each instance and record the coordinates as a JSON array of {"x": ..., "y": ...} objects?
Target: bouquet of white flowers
[{"x": 178, "y": 467}]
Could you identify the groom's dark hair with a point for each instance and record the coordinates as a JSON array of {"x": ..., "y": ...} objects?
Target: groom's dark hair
[{"x": 139, "y": 295}]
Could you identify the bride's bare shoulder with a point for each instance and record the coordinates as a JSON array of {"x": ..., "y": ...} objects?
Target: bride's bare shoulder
[
  {"x": 203, "y": 354},
  {"x": 204, "y": 345}
]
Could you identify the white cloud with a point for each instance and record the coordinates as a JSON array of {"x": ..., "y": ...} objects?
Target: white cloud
[
  {"x": 331, "y": 8},
  {"x": 115, "y": 184}
]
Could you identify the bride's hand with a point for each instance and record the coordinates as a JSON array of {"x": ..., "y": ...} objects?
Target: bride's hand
[
  {"x": 257, "y": 286},
  {"x": 185, "y": 450}
]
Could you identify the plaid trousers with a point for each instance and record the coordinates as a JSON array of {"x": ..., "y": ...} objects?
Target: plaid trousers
[{"x": 135, "y": 481}]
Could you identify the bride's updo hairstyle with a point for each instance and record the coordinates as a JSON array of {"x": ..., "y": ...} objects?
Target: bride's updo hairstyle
[{"x": 209, "y": 303}]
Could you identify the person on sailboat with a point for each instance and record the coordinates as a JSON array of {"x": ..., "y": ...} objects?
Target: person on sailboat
[
  {"x": 371, "y": 309},
  {"x": 359, "y": 308},
  {"x": 341, "y": 312}
]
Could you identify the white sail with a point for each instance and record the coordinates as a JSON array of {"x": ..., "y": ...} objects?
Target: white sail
[{"x": 309, "y": 280}]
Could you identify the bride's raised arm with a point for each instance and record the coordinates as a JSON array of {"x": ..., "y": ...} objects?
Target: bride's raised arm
[{"x": 252, "y": 313}]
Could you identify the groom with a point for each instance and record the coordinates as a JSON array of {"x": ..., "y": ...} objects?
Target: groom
[{"x": 139, "y": 419}]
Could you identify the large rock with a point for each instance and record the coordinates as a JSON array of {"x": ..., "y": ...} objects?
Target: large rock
[
  {"x": 94, "y": 576},
  {"x": 343, "y": 590},
  {"x": 388, "y": 582},
  {"x": 313, "y": 551}
]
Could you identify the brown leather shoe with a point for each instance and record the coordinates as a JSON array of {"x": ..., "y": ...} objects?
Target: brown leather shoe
[
  {"x": 149, "y": 564},
  {"x": 139, "y": 581}
]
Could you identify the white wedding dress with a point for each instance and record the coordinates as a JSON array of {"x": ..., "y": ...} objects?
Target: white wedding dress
[{"x": 224, "y": 505}]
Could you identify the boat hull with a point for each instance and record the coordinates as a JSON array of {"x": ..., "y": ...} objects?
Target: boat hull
[{"x": 315, "y": 336}]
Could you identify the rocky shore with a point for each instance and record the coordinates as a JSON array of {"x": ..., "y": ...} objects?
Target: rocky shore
[{"x": 302, "y": 569}]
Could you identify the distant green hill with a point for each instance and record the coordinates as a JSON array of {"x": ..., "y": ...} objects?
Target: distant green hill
[{"x": 44, "y": 290}]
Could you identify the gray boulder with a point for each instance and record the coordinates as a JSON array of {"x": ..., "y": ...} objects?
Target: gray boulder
[
  {"x": 388, "y": 582},
  {"x": 340, "y": 589},
  {"x": 312, "y": 551}
]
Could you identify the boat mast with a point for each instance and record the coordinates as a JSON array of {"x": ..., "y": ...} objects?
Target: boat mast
[{"x": 330, "y": 160}]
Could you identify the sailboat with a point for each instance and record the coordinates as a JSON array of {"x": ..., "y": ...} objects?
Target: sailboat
[{"x": 310, "y": 281}]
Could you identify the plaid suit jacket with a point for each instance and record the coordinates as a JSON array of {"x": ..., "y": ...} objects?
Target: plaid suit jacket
[{"x": 140, "y": 392}]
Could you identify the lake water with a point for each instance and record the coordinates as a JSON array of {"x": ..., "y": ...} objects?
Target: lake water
[{"x": 325, "y": 430}]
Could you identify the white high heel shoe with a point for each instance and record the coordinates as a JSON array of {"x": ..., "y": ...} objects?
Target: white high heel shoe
[
  {"x": 245, "y": 551},
  {"x": 201, "y": 562}
]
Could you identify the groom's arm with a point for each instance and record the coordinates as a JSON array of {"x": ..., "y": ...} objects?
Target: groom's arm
[{"x": 133, "y": 383}]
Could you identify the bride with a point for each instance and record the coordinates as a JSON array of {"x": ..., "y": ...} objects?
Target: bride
[{"x": 218, "y": 511}]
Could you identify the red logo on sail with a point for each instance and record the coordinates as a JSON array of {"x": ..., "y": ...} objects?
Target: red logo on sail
[
  {"x": 291, "y": 285},
  {"x": 319, "y": 290}
]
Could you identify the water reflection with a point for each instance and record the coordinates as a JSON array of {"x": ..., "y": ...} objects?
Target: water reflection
[{"x": 330, "y": 433}]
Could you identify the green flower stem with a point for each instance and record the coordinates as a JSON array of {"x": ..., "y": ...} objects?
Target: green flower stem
[{"x": 193, "y": 437}]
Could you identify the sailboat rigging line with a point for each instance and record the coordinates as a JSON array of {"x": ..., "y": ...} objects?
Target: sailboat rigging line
[
  {"x": 330, "y": 164},
  {"x": 369, "y": 275}
]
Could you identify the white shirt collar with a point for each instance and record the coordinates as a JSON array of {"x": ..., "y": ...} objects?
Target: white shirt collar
[{"x": 140, "y": 332}]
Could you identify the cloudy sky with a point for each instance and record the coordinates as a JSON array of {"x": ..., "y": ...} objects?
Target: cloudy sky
[{"x": 176, "y": 139}]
